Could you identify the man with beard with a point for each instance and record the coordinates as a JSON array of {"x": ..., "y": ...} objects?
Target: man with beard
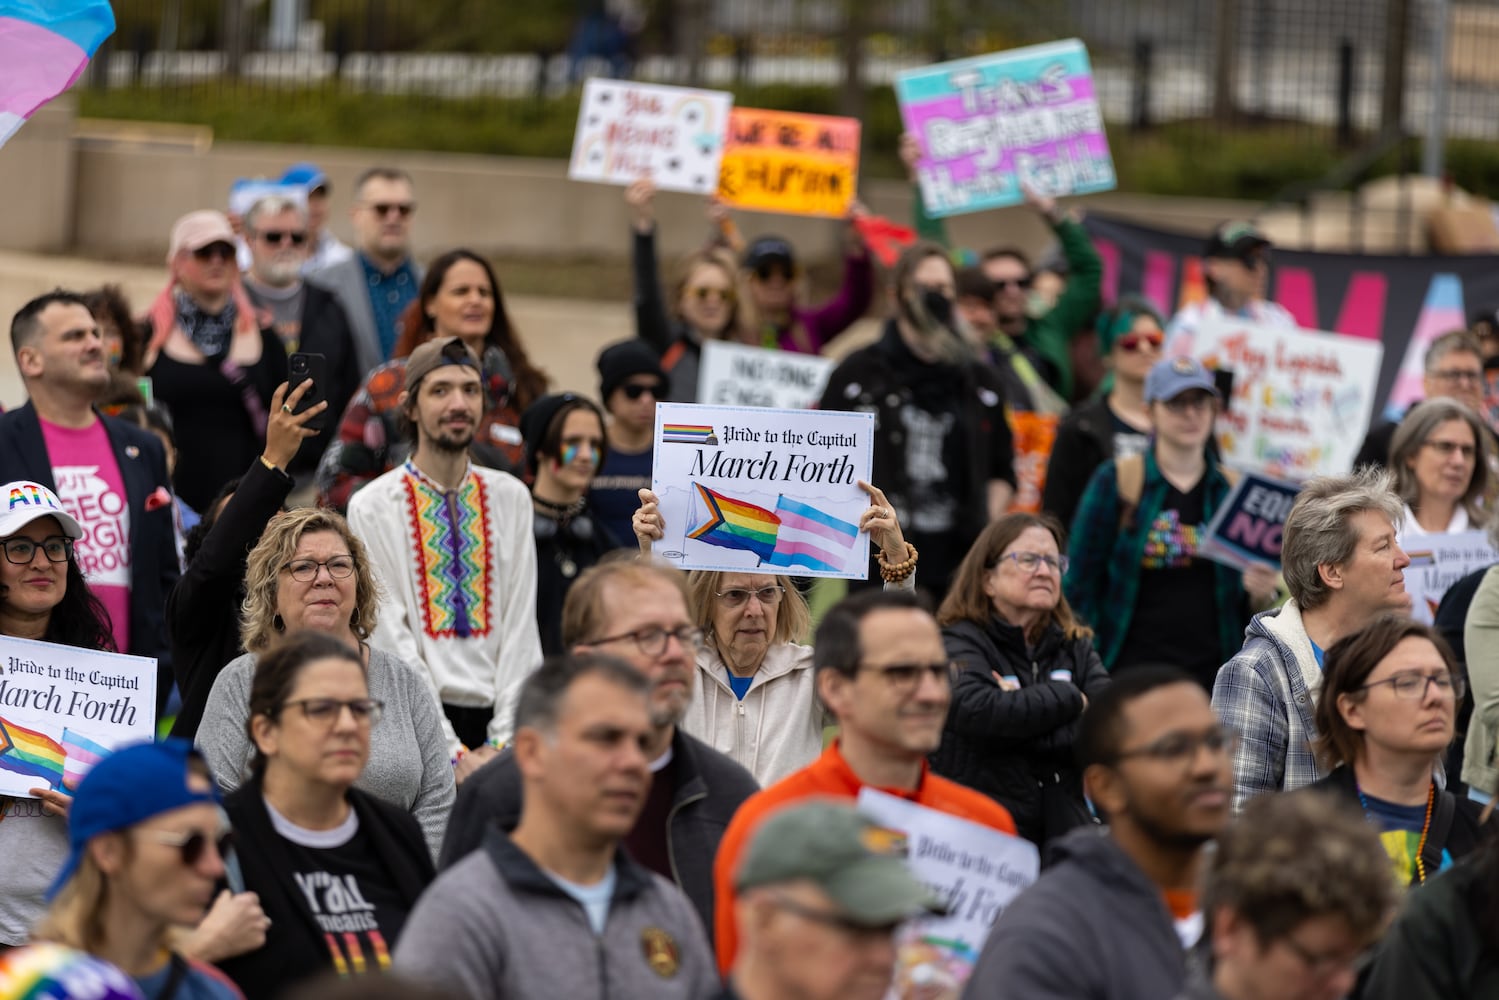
[
  {"x": 942, "y": 447},
  {"x": 637, "y": 612},
  {"x": 882, "y": 672},
  {"x": 1112, "y": 917},
  {"x": 451, "y": 542},
  {"x": 306, "y": 318}
]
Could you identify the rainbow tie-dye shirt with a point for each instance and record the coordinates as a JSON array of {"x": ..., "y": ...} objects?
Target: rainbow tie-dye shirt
[{"x": 454, "y": 555}]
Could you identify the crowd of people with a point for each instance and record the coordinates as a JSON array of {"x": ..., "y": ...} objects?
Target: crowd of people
[{"x": 430, "y": 709}]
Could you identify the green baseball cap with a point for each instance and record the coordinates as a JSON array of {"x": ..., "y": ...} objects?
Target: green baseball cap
[{"x": 858, "y": 863}]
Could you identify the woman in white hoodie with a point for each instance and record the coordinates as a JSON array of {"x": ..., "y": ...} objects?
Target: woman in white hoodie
[{"x": 756, "y": 699}]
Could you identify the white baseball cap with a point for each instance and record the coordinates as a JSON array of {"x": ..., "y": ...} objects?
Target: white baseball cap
[{"x": 23, "y": 501}]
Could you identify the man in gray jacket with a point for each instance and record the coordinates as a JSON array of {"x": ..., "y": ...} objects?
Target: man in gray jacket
[
  {"x": 556, "y": 908},
  {"x": 1112, "y": 918}
]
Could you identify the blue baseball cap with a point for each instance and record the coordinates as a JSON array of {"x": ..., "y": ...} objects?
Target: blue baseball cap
[
  {"x": 128, "y": 787},
  {"x": 1174, "y": 376},
  {"x": 308, "y": 175}
]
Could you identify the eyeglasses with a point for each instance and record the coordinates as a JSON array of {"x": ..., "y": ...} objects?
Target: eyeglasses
[
  {"x": 1000, "y": 284},
  {"x": 737, "y": 598},
  {"x": 1181, "y": 748},
  {"x": 1449, "y": 448},
  {"x": 1189, "y": 401},
  {"x": 1458, "y": 375},
  {"x": 325, "y": 711},
  {"x": 22, "y": 550},
  {"x": 907, "y": 676},
  {"x": 1326, "y": 964},
  {"x": 1140, "y": 341},
  {"x": 221, "y": 250},
  {"x": 772, "y": 269},
  {"x": 274, "y": 238},
  {"x": 384, "y": 208},
  {"x": 192, "y": 843},
  {"x": 703, "y": 294},
  {"x": 1032, "y": 561},
  {"x": 839, "y": 921},
  {"x": 652, "y": 641},
  {"x": 633, "y": 392},
  {"x": 305, "y": 570},
  {"x": 1412, "y": 686}
]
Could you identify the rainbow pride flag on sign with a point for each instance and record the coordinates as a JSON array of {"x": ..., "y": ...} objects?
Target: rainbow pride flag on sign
[
  {"x": 44, "y": 46},
  {"x": 36, "y": 755},
  {"x": 688, "y": 434},
  {"x": 734, "y": 524},
  {"x": 812, "y": 538}
]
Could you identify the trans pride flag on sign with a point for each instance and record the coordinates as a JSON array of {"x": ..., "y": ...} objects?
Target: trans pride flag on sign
[{"x": 44, "y": 46}]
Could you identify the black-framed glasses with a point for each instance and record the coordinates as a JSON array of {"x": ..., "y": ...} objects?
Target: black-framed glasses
[
  {"x": 325, "y": 711},
  {"x": 906, "y": 676},
  {"x": 1032, "y": 561},
  {"x": 652, "y": 641},
  {"x": 737, "y": 597},
  {"x": 305, "y": 570},
  {"x": 838, "y": 921},
  {"x": 384, "y": 208},
  {"x": 21, "y": 550},
  {"x": 1458, "y": 375},
  {"x": 1320, "y": 966},
  {"x": 219, "y": 249},
  {"x": 192, "y": 843},
  {"x": 633, "y": 392},
  {"x": 1412, "y": 685},
  {"x": 275, "y": 237},
  {"x": 1181, "y": 748}
]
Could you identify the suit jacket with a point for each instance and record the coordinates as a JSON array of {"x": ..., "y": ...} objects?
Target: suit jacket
[
  {"x": 153, "y": 548},
  {"x": 326, "y": 330},
  {"x": 347, "y": 283}
]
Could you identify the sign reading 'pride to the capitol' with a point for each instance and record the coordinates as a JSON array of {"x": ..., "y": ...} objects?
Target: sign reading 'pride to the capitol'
[
  {"x": 765, "y": 491},
  {"x": 630, "y": 131},
  {"x": 990, "y": 126},
  {"x": 1439, "y": 561},
  {"x": 63, "y": 708},
  {"x": 781, "y": 161}
]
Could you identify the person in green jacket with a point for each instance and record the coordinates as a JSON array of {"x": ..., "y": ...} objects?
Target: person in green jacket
[{"x": 1043, "y": 340}]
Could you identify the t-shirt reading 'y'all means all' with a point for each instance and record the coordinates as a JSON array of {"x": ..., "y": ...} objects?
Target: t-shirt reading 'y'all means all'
[{"x": 91, "y": 488}]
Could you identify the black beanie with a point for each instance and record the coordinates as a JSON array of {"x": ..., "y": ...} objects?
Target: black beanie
[
  {"x": 541, "y": 414},
  {"x": 618, "y": 362}
]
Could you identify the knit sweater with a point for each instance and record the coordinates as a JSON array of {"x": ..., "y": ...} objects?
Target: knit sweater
[
  {"x": 459, "y": 574},
  {"x": 408, "y": 764}
]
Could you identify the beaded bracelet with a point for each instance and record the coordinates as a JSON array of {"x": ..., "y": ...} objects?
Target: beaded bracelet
[{"x": 901, "y": 570}]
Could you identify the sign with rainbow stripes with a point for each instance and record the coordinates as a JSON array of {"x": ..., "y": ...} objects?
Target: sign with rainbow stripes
[
  {"x": 760, "y": 490},
  {"x": 63, "y": 709}
]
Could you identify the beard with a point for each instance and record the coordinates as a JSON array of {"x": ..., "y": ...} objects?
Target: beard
[
  {"x": 451, "y": 442},
  {"x": 945, "y": 342}
]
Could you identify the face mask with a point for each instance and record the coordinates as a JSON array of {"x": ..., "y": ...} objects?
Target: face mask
[{"x": 938, "y": 306}]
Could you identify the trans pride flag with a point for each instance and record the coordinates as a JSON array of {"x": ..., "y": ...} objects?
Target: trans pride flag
[
  {"x": 812, "y": 538},
  {"x": 81, "y": 754},
  {"x": 734, "y": 524},
  {"x": 36, "y": 755},
  {"x": 44, "y": 46}
]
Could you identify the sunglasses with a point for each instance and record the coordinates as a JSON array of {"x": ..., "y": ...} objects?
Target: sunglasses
[
  {"x": 402, "y": 208},
  {"x": 275, "y": 238},
  {"x": 1140, "y": 341},
  {"x": 221, "y": 250},
  {"x": 704, "y": 294},
  {"x": 633, "y": 392},
  {"x": 770, "y": 269},
  {"x": 192, "y": 845},
  {"x": 1001, "y": 284}
]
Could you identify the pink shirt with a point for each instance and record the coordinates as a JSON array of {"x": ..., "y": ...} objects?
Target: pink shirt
[{"x": 91, "y": 488}]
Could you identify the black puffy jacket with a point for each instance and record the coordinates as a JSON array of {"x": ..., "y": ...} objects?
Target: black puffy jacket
[{"x": 1009, "y": 744}]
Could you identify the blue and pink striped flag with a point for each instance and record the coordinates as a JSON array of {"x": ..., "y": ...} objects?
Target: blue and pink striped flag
[
  {"x": 44, "y": 46},
  {"x": 80, "y": 755},
  {"x": 812, "y": 538}
]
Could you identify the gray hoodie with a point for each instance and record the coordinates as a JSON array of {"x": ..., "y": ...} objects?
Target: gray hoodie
[{"x": 1092, "y": 928}]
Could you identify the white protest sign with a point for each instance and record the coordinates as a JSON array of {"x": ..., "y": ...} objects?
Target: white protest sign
[
  {"x": 976, "y": 871},
  {"x": 672, "y": 135},
  {"x": 759, "y": 490},
  {"x": 1301, "y": 399},
  {"x": 741, "y": 375},
  {"x": 63, "y": 708},
  {"x": 1439, "y": 561}
]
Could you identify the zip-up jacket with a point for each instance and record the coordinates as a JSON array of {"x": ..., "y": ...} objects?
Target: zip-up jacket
[
  {"x": 710, "y": 788},
  {"x": 497, "y": 927}
]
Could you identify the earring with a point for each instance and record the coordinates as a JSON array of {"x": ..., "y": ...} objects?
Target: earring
[{"x": 277, "y": 623}]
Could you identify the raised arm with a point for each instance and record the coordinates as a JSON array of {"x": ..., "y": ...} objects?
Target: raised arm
[{"x": 652, "y": 322}]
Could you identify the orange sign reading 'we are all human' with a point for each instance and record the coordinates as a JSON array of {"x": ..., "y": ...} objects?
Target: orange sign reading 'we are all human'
[{"x": 795, "y": 164}]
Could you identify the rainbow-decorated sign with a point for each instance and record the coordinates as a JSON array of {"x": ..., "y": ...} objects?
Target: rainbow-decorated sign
[{"x": 627, "y": 132}]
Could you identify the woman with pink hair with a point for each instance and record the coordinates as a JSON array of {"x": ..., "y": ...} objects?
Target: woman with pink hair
[{"x": 211, "y": 360}]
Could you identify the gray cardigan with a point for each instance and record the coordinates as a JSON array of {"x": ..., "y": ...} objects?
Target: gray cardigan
[{"x": 408, "y": 763}]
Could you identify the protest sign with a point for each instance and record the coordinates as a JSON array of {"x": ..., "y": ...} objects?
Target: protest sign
[
  {"x": 780, "y": 161},
  {"x": 62, "y": 708},
  {"x": 761, "y": 490},
  {"x": 1439, "y": 561},
  {"x": 1301, "y": 399},
  {"x": 629, "y": 131},
  {"x": 976, "y": 871},
  {"x": 990, "y": 126},
  {"x": 1247, "y": 528},
  {"x": 740, "y": 375}
]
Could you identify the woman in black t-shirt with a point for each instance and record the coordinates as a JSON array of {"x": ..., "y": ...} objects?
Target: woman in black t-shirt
[{"x": 337, "y": 870}]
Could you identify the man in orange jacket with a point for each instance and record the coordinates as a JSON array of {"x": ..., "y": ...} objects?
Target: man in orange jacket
[{"x": 882, "y": 671}]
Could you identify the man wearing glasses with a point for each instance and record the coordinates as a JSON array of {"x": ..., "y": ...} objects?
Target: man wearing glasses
[
  {"x": 1454, "y": 369},
  {"x": 1112, "y": 917},
  {"x": 882, "y": 672},
  {"x": 638, "y": 613},
  {"x": 306, "y": 318},
  {"x": 377, "y": 284},
  {"x": 1236, "y": 267}
]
